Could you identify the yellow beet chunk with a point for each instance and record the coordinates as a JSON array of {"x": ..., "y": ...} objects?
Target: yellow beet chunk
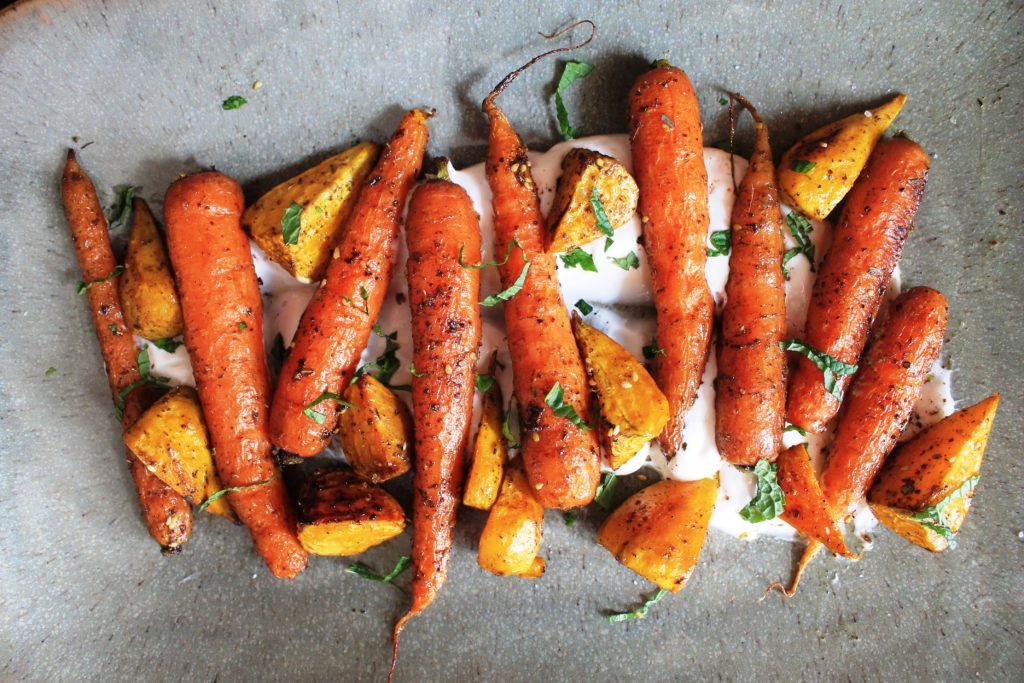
[
  {"x": 489, "y": 453},
  {"x": 658, "y": 532},
  {"x": 511, "y": 538},
  {"x": 633, "y": 408},
  {"x": 340, "y": 514},
  {"x": 376, "y": 432},
  {"x": 325, "y": 194},
  {"x": 806, "y": 509},
  {"x": 170, "y": 439},
  {"x": 572, "y": 222},
  {"x": 817, "y": 172},
  {"x": 148, "y": 293},
  {"x": 924, "y": 490}
]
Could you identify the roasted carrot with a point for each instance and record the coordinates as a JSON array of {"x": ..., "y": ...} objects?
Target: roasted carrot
[
  {"x": 441, "y": 226},
  {"x": 866, "y": 245},
  {"x": 750, "y": 398},
  {"x": 882, "y": 395},
  {"x": 168, "y": 517},
  {"x": 223, "y": 315},
  {"x": 338, "y": 320},
  {"x": 668, "y": 162},
  {"x": 561, "y": 455}
]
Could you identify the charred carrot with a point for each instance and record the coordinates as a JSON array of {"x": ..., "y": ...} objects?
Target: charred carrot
[
  {"x": 168, "y": 517},
  {"x": 442, "y": 228},
  {"x": 560, "y": 453},
  {"x": 668, "y": 163},
  {"x": 338, "y": 320},
  {"x": 750, "y": 398},
  {"x": 883, "y": 394},
  {"x": 866, "y": 245},
  {"x": 223, "y": 316}
]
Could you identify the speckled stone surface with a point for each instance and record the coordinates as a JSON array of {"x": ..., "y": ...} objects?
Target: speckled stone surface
[{"x": 85, "y": 594}]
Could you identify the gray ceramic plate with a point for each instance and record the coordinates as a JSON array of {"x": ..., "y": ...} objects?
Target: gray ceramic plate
[{"x": 85, "y": 593}]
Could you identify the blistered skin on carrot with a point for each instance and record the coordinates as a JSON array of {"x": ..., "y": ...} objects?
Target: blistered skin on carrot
[
  {"x": 167, "y": 515},
  {"x": 338, "y": 321},
  {"x": 882, "y": 396},
  {"x": 668, "y": 163},
  {"x": 867, "y": 243},
  {"x": 443, "y": 298},
  {"x": 750, "y": 392},
  {"x": 223, "y": 315},
  {"x": 561, "y": 458}
]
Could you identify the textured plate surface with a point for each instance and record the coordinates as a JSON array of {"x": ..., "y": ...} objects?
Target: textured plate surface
[{"x": 84, "y": 593}]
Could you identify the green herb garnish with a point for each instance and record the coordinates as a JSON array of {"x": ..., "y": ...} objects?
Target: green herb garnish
[
  {"x": 506, "y": 427},
  {"x": 608, "y": 242},
  {"x": 584, "y": 307},
  {"x": 515, "y": 288},
  {"x": 51, "y": 371},
  {"x": 291, "y": 223},
  {"x": 934, "y": 517},
  {"x": 233, "y": 102},
  {"x": 317, "y": 416},
  {"x": 795, "y": 428},
  {"x": 569, "y": 518},
  {"x": 83, "y": 287},
  {"x": 606, "y": 490},
  {"x": 488, "y": 264},
  {"x": 364, "y": 572},
  {"x": 577, "y": 258},
  {"x": 801, "y": 229},
  {"x": 206, "y": 503},
  {"x": 769, "y": 501},
  {"x": 802, "y": 165},
  {"x": 484, "y": 383},
  {"x": 829, "y": 366},
  {"x": 123, "y": 209},
  {"x": 146, "y": 378},
  {"x": 721, "y": 243},
  {"x": 652, "y": 350},
  {"x": 365, "y": 296},
  {"x": 412, "y": 371},
  {"x": 572, "y": 72},
  {"x": 603, "y": 224},
  {"x": 640, "y": 612},
  {"x": 722, "y": 101},
  {"x": 627, "y": 262},
  {"x": 167, "y": 344},
  {"x": 242, "y": 327},
  {"x": 556, "y": 401},
  {"x": 113, "y": 329},
  {"x": 387, "y": 363}
]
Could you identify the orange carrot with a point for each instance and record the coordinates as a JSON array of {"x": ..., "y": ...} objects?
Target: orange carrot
[
  {"x": 561, "y": 455},
  {"x": 442, "y": 226},
  {"x": 338, "y": 320},
  {"x": 167, "y": 515},
  {"x": 866, "y": 245},
  {"x": 223, "y": 316},
  {"x": 883, "y": 394},
  {"x": 750, "y": 396},
  {"x": 668, "y": 162}
]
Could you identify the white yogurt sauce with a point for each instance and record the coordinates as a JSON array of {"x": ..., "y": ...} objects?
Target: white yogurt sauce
[{"x": 622, "y": 309}]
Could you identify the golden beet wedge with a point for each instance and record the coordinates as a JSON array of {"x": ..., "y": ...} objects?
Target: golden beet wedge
[
  {"x": 588, "y": 179},
  {"x": 170, "y": 439},
  {"x": 148, "y": 293},
  {"x": 340, "y": 514},
  {"x": 511, "y": 538},
  {"x": 924, "y": 490},
  {"x": 376, "y": 432},
  {"x": 323, "y": 197},
  {"x": 658, "y": 532},
  {"x": 487, "y": 468},
  {"x": 806, "y": 509},
  {"x": 633, "y": 408},
  {"x": 817, "y": 172}
]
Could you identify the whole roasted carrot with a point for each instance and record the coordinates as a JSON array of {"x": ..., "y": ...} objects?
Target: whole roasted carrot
[
  {"x": 866, "y": 245},
  {"x": 441, "y": 227},
  {"x": 223, "y": 315},
  {"x": 560, "y": 454},
  {"x": 168, "y": 516},
  {"x": 750, "y": 397},
  {"x": 882, "y": 395},
  {"x": 668, "y": 162},
  {"x": 338, "y": 320}
]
